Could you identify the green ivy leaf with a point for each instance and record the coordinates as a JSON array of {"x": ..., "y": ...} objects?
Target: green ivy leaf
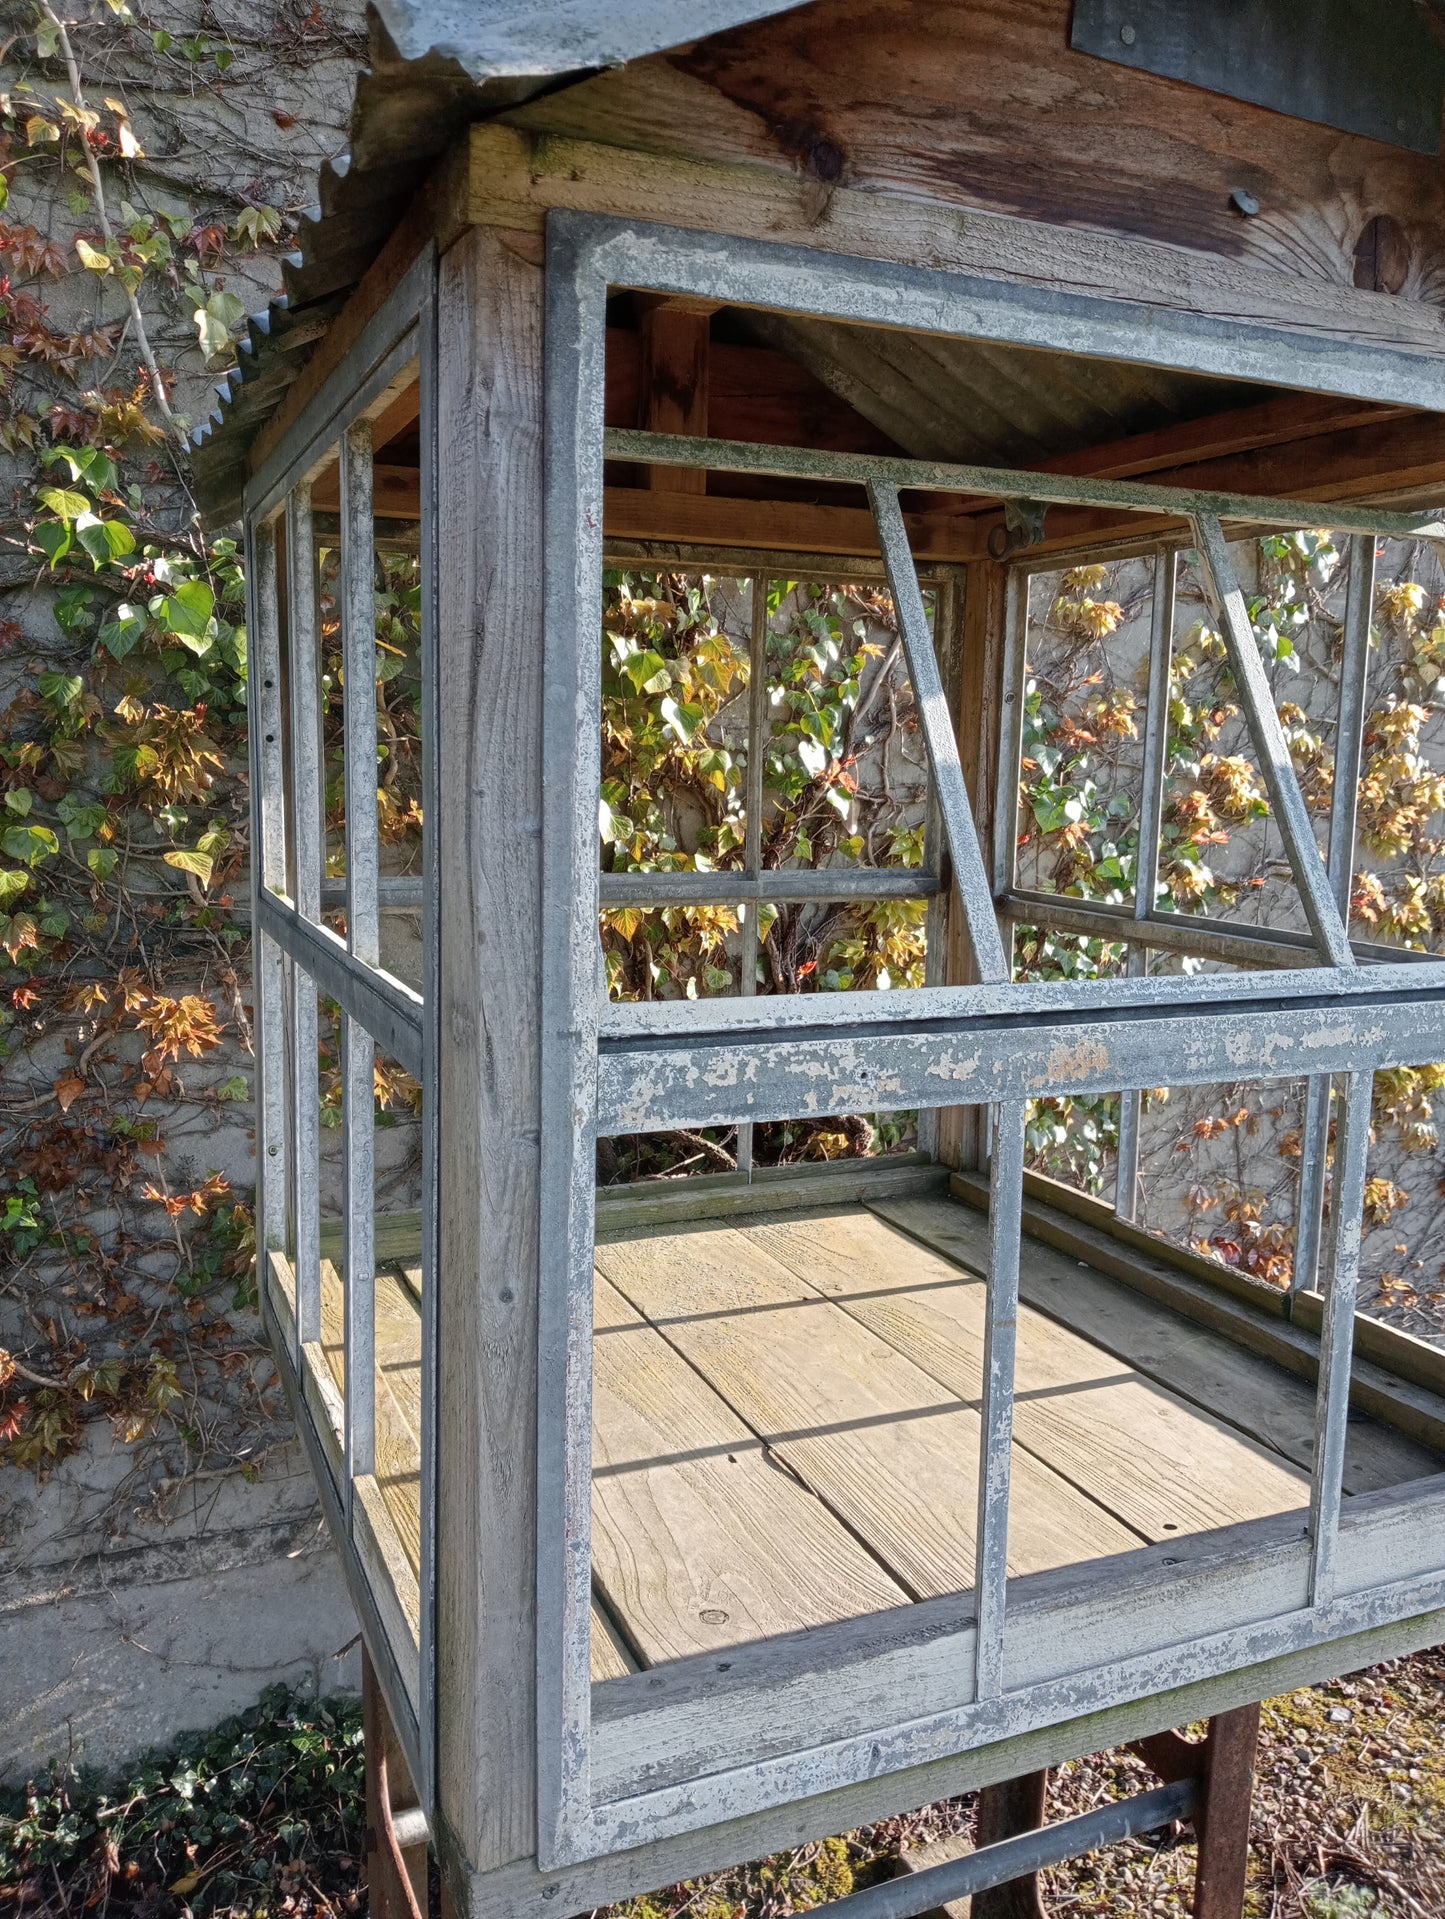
[
  {"x": 12, "y": 884},
  {"x": 104, "y": 540},
  {"x": 64, "y": 504},
  {"x": 53, "y": 537},
  {"x": 189, "y": 860},
  {"x": 120, "y": 635},
  {"x": 61, "y": 689},
  {"x": 29, "y": 843},
  {"x": 102, "y": 861}
]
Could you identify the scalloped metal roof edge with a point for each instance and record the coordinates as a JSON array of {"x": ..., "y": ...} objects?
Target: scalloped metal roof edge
[{"x": 435, "y": 65}]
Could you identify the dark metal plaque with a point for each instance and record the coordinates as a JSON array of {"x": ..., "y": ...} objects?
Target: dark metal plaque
[{"x": 1364, "y": 66}]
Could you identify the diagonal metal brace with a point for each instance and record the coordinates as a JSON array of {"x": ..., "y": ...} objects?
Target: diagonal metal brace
[
  {"x": 1267, "y": 735},
  {"x": 1010, "y": 1859},
  {"x": 936, "y": 722}
]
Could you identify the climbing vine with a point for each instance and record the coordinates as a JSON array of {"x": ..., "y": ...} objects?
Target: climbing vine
[{"x": 139, "y": 218}]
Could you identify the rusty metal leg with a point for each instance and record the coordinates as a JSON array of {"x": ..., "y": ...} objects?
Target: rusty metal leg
[
  {"x": 1012, "y": 1807},
  {"x": 1223, "y": 1763},
  {"x": 396, "y": 1839},
  {"x": 1222, "y": 1821}
]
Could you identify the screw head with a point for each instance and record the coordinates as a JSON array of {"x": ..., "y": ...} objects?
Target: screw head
[
  {"x": 1128, "y": 35},
  {"x": 1244, "y": 202}
]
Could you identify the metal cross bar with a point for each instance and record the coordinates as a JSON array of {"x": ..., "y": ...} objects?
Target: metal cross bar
[
  {"x": 1270, "y": 744},
  {"x": 1146, "y": 861},
  {"x": 920, "y": 1892},
  {"x": 782, "y": 886},
  {"x": 718, "y": 1074},
  {"x": 1000, "y": 1339},
  {"x": 1332, "y": 1402},
  {"x": 1009, "y": 483},
  {"x": 969, "y": 874},
  {"x": 1198, "y": 934}
]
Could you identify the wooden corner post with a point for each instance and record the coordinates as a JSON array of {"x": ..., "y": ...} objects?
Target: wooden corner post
[{"x": 490, "y": 887}]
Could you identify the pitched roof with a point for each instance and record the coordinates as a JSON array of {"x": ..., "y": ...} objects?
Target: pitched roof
[{"x": 495, "y": 39}]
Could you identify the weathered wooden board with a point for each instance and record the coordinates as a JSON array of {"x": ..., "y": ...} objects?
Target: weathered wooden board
[
  {"x": 986, "y": 106},
  {"x": 398, "y": 1437},
  {"x": 1205, "y": 1367},
  {"x": 699, "y": 1540},
  {"x": 890, "y": 1451},
  {"x": 1162, "y": 1466},
  {"x": 489, "y": 872}
]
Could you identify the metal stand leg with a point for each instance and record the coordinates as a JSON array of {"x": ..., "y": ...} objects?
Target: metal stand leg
[
  {"x": 1223, "y": 1764},
  {"x": 1005, "y": 1810},
  {"x": 396, "y": 1830}
]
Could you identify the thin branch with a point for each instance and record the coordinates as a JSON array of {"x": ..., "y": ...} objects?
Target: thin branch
[{"x": 97, "y": 187}]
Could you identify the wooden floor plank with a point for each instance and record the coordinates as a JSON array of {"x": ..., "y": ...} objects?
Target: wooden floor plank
[
  {"x": 1202, "y": 1366},
  {"x": 1161, "y": 1466},
  {"x": 398, "y": 1435},
  {"x": 699, "y": 1540},
  {"x": 890, "y": 1451}
]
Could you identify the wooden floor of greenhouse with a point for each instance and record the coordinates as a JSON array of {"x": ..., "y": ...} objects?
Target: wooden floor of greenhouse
[{"x": 786, "y": 1421}]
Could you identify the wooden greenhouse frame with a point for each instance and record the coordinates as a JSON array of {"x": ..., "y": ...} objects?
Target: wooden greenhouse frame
[{"x": 484, "y": 329}]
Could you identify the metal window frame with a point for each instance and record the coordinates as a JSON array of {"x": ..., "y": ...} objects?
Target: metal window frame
[
  {"x": 661, "y": 1754},
  {"x": 752, "y": 885},
  {"x": 1204, "y": 936},
  {"x": 298, "y": 956}
]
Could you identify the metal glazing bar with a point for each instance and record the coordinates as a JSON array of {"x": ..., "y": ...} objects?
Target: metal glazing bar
[
  {"x": 1011, "y": 730},
  {"x": 1131, "y": 1106},
  {"x": 358, "y": 644},
  {"x": 306, "y": 1144},
  {"x": 1007, "y": 483},
  {"x": 424, "y": 1778},
  {"x": 781, "y": 885},
  {"x": 273, "y": 1197},
  {"x": 386, "y": 1007},
  {"x": 304, "y": 677},
  {"x": 1000, "y": 1339},
  {"x": 1350, "y": 729},
  {"x": 1156, "y": 732},
  {"x": 915, "y": 1893},
  {"x": 358, "y": 1060},
  {"x": 1344, "y": 806},
  {"x": 1314, "y": 1156},
  {"x": 1332, "y": 1401},
  {"x": 272, "y": 1104},
  {"x": 1146, "y": 863},
  {"x": 949, "y": 595},
  {"x": 1270, "y": 745},
  {"x": 270, "y": 798},
  {"x": 969, "y": 875},
  {"x": 753, "y": 811}
]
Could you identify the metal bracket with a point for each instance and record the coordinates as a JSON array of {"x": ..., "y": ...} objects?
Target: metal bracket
[{"x": 1023, "y": 527}]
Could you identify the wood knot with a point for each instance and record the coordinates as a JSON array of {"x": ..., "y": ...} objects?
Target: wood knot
[{"x": 1382, "y": 255}]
